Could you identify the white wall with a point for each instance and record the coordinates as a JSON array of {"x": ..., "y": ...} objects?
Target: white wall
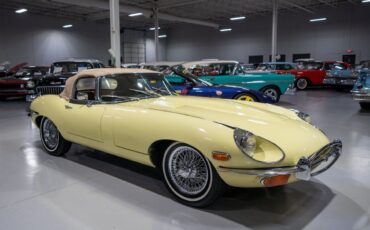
[
  {"x": 347, "y": 27},
  {"x": 40, "y": 40},
  {"x": 150, "y": 48}
]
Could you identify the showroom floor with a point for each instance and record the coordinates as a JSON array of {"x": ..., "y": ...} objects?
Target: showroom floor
[{"x": 92, "y": 190}]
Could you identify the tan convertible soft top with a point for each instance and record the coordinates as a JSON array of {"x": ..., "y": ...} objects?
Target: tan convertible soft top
[{"x": 68, "y": 90}]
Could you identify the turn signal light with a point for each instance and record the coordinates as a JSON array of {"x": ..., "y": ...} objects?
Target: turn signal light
[
  {"x": 221, "y": 156},
  {"x": 275, "y": 180}
]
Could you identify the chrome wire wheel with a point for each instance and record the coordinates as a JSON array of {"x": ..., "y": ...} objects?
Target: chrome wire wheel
[
  {"x": 188, "y": 170},
  {"x": 49, "y": 135}
]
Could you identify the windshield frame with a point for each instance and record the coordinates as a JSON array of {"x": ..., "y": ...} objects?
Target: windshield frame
[
  {"x": 168, "y": 86},
  {"x": 188, "y": 76}
]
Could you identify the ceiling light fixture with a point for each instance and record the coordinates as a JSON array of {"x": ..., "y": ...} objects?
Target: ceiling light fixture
[
  {"x": 237, "y": 18},
  {"x": 365, "y": 1},
  {"x": 21, "y": 11},
  {"x": 68, "y": 26},
  {"x": 225, "y": 30},
  {"x": 162, "y": 36},
  {"x": 135, "y": 14},
  {"x": 318, "y": 19},
  {"x": 153, "y": 28}
]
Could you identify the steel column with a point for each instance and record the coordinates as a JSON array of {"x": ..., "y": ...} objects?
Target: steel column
[
  {"x": 274, "y": 29},
  {"x": 115, "y": 35},
  {"x": 156, "y": 32}
]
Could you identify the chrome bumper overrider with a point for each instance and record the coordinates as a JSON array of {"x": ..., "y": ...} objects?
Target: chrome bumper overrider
[{"x": 305, "y": 168}]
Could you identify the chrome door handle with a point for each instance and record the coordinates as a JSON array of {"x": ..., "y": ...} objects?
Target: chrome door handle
[{"x": 67, "y": 107}]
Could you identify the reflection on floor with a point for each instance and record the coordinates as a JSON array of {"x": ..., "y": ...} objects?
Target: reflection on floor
[{"x": 88, "y": 189}]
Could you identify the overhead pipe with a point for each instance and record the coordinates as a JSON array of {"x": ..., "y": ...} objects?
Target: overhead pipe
[{"x": 131, "y": 9}]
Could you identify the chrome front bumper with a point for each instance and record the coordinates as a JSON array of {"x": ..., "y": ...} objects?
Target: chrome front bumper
[
  {"x": 365, "y": 97},
  {"x": 339, "y": 81},
  {"x": 317, "y": 163}
]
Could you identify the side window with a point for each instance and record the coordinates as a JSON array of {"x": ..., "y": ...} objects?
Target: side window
[
  {"x": 85, "y": 89},
  {"x": 226, "y": 69}
]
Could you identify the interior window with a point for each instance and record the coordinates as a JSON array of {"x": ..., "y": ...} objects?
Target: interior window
[
  {"x": 85, "y": 89},
  {"x": 176, "y": 80}
]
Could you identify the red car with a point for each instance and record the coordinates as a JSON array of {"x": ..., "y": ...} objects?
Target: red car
[
  {"x": 10, "y": 87},
  {"x": 307, "y": 73}
]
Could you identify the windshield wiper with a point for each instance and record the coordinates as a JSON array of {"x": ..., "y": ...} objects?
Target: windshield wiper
[{"x": 146, "y": 92}]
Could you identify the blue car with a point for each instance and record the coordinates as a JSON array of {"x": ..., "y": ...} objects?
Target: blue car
[
  {"x": 339, "y": 74},
  {"x": 185, "y": 83}
]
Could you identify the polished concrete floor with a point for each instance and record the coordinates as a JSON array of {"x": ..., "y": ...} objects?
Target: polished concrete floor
[{"x": 87, "y": 189}]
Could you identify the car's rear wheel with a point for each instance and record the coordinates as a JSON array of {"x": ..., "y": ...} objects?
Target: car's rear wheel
[
  {"x": 246, "y": 97},
  {"x": 301, "y": 83},
  {"x": 190, "y": 176},
  {"x": 2, "y": 98},
  {"x": 51, "y": 139},
  {"x": 272, "y": 92},
  {"x": 365, "y": 105}
]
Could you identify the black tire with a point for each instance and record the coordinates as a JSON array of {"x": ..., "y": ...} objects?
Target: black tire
[
  {"x": 51, "y": 139},
  {"x": 2, "y": 98},
  {"x": 302, "y": 83},
  {"x": 209, "y": 185},
  {"x": 365, "y": 105},
  {"x": 273, "y": 92},
  {"x": 246, "y": 97}
]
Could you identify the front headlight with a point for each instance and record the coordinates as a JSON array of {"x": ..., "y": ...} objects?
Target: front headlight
[
  {"x": 303, "y": 116},
  {"x": 30, "y": 84},
  {"x": 246, "y": 141},
  {"x": 257, "y": 148}
]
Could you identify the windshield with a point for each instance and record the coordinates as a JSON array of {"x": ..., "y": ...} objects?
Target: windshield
[
  {"x": 69, "y": 67},
  {"x": 32, "y": 71},
  {"x": 158, "y": 68},
  {"x": 335, "y": 66},
  {"x": 310, "y": 65},
  {"x": 126, "y": 87},
  {"x": 264, "y": 67}
]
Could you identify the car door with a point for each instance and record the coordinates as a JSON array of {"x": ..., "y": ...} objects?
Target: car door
[{"x": 83, "y": 114}]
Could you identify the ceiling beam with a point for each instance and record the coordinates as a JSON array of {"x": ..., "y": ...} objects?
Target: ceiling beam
[
  {"x": 183, "y": 3},
  {"x": 327, "y": 3},
  {"x": 125, "y": 9},
  {"x": 297, "y": 6}
]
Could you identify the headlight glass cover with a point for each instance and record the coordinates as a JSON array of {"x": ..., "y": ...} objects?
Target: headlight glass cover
[
  {"x": 246, "y": 141},
  {"x": 257, "y": 148}
]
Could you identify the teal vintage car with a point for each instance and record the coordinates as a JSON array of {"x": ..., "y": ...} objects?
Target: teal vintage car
[
  {"x": 231, "y": 73},
  {"x": 361, "y": 89}
]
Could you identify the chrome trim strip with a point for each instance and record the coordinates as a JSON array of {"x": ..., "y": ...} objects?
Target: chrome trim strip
[{"x": 304, "y": 167}]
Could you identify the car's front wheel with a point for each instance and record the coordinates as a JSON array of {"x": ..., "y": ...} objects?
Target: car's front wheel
[
  {"x": 190, "y": 176},
  {"x": 51, "y": 139},
  {"x": 245, "y": 97},
  {"x": 365, "y": 105}
]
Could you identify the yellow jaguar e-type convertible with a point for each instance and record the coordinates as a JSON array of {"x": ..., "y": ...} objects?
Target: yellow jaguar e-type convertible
[{"x": 199, "y": 144}]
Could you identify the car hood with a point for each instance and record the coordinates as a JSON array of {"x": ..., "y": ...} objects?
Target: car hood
[{"x": 278, "y": 125}]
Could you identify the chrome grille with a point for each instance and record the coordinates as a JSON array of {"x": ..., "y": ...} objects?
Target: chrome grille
[
  {"x": 42, "y": 90},
  {"x": 325, "y": 157}
]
